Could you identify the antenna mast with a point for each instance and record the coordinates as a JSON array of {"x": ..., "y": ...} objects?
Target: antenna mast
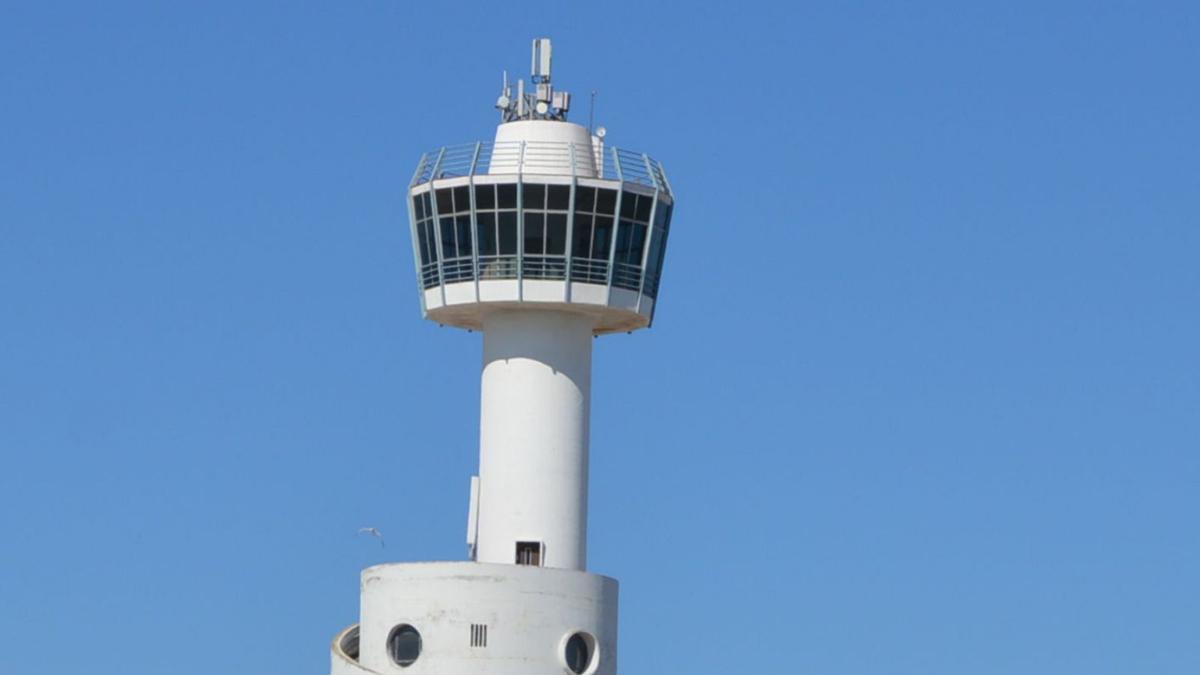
[{"x": 543, "y": 103}]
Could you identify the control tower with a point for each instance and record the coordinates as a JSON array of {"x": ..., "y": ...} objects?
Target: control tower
[{"x": 541, "y": 239}]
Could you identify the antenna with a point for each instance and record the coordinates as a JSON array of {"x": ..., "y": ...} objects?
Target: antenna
[
  {"x": 542, "y": 102},
  {"x": 541, "y": 61},
  {"x": 592, "y": 112}
]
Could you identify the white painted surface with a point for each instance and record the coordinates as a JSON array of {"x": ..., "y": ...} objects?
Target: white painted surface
[
  {"x": 533, "y": 453},
  {"x": 528, "y": 610},
  {"x": 460, "y": 293},
  {"x": 540, "y": 156},
  {"x": 540, "y": 294}
]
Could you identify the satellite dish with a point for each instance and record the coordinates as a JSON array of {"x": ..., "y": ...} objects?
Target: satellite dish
[
  {"x": 601, "y": 132},
  {"x": 503, "y": 103},
  {"x": 542, "y": 107}
]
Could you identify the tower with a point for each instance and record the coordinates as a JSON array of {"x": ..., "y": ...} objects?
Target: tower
[{"x": 541, "y": 240}]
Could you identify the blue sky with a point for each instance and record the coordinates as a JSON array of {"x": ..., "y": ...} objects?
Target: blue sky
[{"x": 922, "y": 395}]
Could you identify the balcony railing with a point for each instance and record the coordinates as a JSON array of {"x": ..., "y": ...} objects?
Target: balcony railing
[{"x": 541, "y": 157}]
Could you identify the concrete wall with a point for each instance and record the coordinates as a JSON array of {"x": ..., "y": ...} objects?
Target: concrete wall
[{"x": 529, "y": 613}]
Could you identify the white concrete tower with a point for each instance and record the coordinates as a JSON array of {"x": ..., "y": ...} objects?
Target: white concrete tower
[{"x": 541, "y": 240}]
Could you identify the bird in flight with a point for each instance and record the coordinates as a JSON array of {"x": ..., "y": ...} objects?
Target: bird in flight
[{"x": 373, "y": 532}]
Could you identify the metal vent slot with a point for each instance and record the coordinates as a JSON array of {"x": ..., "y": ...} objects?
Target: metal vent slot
[{"x": 479, "y": 633}]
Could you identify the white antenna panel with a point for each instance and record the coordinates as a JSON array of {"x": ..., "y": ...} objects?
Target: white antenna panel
[{"x": 541, "y": 60}]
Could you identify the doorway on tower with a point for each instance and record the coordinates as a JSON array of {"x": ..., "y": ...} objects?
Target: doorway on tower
[{"x": 529, "y": 553}]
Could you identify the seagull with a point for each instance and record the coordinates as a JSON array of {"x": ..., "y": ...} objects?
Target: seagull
[{"x": 373, "y": 532}]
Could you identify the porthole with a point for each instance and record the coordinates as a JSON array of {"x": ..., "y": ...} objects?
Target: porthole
[
  {"x": 579, "y": 651},
  {"x": 404, "y": 645}
]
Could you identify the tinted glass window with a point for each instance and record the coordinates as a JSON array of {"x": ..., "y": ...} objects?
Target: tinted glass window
[
  {"x": 637, "y": 243},
  {"x": 602, "y": 237},
  {"x": 643, "y": 208},
  {"x": 581, "y": 236},
  {"x": 462, "y": 198},
  {"x": 606, "y": 201},
  {"x": 427, "y": 202},
  {"x": 485, "y": 234},
  {"x": 585, "y": 198},
  {"x": 430, "y": 240},
  {"x": 506, "y": 196},
  {"x": 623, "y": 233},
  {"x": 418, "y": 208},
  {"x": 652, "y": 256},
  {"x": 445, "y": 203},
  {"x": 577, "y": 654},
  {"x": 423, "y": 244},
  {"x": 448, "y": 250},
  {"x": 485, "y": 196},
  {"x": 463, "y": 224},
  {"x": 535, "y": 233},
  {"x": 404, "y": 645},
  {"x": 508, "y": 233},
  {"x": 558, "y": 197},
  {"x": 662, "y": 215},
  {"x": 556, "y": 234},
  {"x": 628, "y": 204},
  {"x": 534, "y": 196}
]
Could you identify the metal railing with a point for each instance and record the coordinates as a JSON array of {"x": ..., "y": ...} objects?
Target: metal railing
[
  {"x": 541, "y": 157},
  {"x": 626, "y": 276},
  {"x": 589, "y": 270}
]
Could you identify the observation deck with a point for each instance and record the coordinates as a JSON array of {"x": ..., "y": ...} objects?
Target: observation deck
[{"x": 571, "y": 225}]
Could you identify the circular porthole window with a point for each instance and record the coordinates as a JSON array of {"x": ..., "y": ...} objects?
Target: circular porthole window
[
  {"x": 404, "y": 645},
  {"x": 579, "y": 651}
]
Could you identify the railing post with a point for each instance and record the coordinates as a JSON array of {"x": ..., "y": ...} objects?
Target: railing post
[
  {"x": 521, "y": 224},
  {"x": 420, "y": 170},
  {"x": 474, "y": 223},
  {"x": 437, "y": 225},
  {"x": 570, "y": 229}
]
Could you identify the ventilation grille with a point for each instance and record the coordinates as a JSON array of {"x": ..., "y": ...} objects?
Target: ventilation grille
[{"x": 479, "y": 635}]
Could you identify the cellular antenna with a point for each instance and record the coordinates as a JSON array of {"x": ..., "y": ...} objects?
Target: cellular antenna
[{"x": 543, "y": 102}]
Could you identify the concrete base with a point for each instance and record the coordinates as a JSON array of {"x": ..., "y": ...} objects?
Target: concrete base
[{"x": 529, "y": 614}]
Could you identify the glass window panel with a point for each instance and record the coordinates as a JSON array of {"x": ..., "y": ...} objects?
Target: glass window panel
[
  {"x": 623, "y": 232},
  {"x": 602, "y": 237},
  {"x": 427, "y": 202},
  {"x": 418, "y": 208},
  {"x": 445, "y": 203},
  {"x": 643, "y": 208},
  {"x": 431, "y": 240},
  {"x": 506, "y": 196},
  {"x": 422, "y": 243},
  {"x": 485, "y": 196},
  {"x": 507, "y": 228},
  {"x": 462, "y": 198},
  {"x": 628, "y": 204},
  {"x": 637, "y": 243},
  {"x": 585, "y": 199},
  {"x": 556, "y": 234},
  {"x": 485, "y": 233},
  {"x": 535, "y": 233},
  {"x": 463, "y": 224},
  {"x": 534, "y": 196},
  {"x": 558, "y": 197},
  {"x": 448, "y": 248},
  {"x": 662, "y": 215},
  {"x": 581, "y": 237},
  {"x": 653, "y": 258},
  {"x": 606, "y": 201}
]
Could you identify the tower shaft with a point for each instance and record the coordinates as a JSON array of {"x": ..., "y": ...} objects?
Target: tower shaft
[{"x": 533, "y": 464}]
